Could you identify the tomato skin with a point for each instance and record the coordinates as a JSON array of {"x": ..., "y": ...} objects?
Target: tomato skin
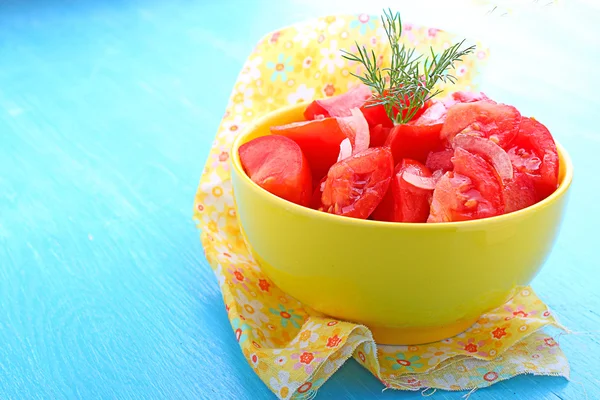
[
  {"x": 414, "y": 141},
  {"x": 472, "y": 190},
  {"x": 404, "y": 202},
  {"x": 534, "y": 152},
  {"x": 440, "y": 160},
  {"x": 319, "y": 140},
  {"x": 519, "y": 192},
  {"x": 376, "y": 115},
  {"x": 315, "y": 202},
  {"x": 497, "y": 122},
  {"x": 340, "y": 105},
  {"x": 379, "y": 135},
  {"x": 355, "y": 185},
  {"x": 278, "y": 165}
]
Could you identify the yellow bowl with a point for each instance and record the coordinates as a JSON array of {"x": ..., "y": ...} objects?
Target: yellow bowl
[{"x": 409, "y": 283}]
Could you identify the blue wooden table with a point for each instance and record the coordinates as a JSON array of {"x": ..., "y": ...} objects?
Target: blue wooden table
[{"x": 107, "y": 112}]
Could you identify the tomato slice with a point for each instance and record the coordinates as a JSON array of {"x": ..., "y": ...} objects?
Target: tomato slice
[
  {"x": 339, "y": 106},
  {"x": 316, "y": 202},
  {"x": 497, "y": 122},
  {"x": 534, "y": 152},
  {"x": 405, "y": 202},
  {"x": 440, "y": 160},
  {"x": 355, "y": 186},
  {"x": 464, "y": 97},
  {"x": 278, "y": 165},
  {"x": 472, "y": 191},
  {"x": 414, "y": 140},
  {"x": 379, "y": 135},
  {"x": 319, "y": 140},
  {"x": 433, "y": 115},
  {"x": 489, "y": 150},
  {"x": 519, "y": 192}
]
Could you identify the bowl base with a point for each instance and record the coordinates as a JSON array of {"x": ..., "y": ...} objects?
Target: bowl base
[{"x": 414, "y": 336}]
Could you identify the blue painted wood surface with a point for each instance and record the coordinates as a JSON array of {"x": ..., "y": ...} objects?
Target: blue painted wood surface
[{"x": 107, "y": 112}]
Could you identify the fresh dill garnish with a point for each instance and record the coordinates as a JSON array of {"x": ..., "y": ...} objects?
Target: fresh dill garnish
[{"x": 410, "y": 80}]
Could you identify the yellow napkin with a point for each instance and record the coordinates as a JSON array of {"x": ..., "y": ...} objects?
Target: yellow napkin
[{"x": 293, "y": 349}]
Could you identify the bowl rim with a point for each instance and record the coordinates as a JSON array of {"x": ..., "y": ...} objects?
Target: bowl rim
[{"x": 564, "y": 185}]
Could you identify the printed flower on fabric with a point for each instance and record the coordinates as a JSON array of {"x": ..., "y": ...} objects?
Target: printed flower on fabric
[
  {"x": 240, "y": 329},
  {"x": 281, "y": 67},
  {"x": 304, "y": 61},
  {"x": 242, "y": 99},
  {"x": 518, "y": 312},
  {"x": 308, "y": 335},
  {"x": 251, "y": 70},
  {"x": 281, "y": 384},
  {"x": 287, "y": 316},
  {"x": 435, "y": 355},
  {"x": 238, "y": 277},
  {"x": 269, "y": 98},
  {"x": 364, "y": 23},
  {"x": 302, "y": 94},
  {"x": 331, "y": 25},
  {"x": 550, "y": 345},
  {"x": 489, "y": 375},
  {"x": 332, "y": 57},
  {"x": 309, "y": 389},
  {"x": 400, "y": 361},
  {"x": 452, "y": 382},
  {"x": 306, "y": 34},
  {"x": 473, "y": 347},
  {"x": 231, "y": 128},
  {"x": 306, "y": 360},
  {"x": 251, "y": 309}
]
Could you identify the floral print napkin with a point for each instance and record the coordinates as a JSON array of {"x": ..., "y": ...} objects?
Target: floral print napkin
[{"x": 293, "y": 349}]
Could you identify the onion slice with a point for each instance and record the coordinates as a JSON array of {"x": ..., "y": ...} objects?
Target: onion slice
[
  {"x": 345, "y": 149},
  {"x": 485, "y": 147},
  {"x": 356, "y": 128},
  {"x": 422, "y": 182}
]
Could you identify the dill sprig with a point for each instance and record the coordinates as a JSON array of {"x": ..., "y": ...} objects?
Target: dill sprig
[{"x": 410, "y": 80}]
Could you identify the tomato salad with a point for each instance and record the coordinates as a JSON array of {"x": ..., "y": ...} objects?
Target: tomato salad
[{"x": 461, "y": 158}]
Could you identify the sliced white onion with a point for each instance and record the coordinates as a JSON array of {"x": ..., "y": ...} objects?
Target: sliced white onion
[
  {"x": 345, "y": 149},
  {"x": 437, "y": 175},
  {"x": 482, "y": 146},
  {"x": 422, "y": 182},
  {"x": 356, "y": 128}
]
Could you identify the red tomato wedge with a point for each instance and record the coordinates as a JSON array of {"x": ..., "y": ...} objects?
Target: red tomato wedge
[
  {"x": 319, "y": 140},
  {"x": 376, "y": 115},
  {"x": 277, "y": 164},
  {"x": 519, "y": 192},
  {"x": 497, "y": 122},
  {"x": 489, "y": 150},
  {"x": 534, "y": 152},
  {"x": 339, "y": 106},
  {"x": 472, "y": 191},
  {"x": 440, "y": 160},
  {"x": 379, "y": 135},
  {"x": 407, "y": 199},
  {"x": 316, "y": 202},
  {"x": 414, "y": 140},
  {"x": 355, "y": 186}
]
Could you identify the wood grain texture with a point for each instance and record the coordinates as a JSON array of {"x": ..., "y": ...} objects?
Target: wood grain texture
[{"x": 107, "y": 112}]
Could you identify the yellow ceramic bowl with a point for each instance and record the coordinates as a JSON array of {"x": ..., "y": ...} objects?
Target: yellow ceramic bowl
[{"x": 409, "y": 283}]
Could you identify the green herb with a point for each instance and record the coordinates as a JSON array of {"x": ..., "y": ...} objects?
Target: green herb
[{"x": 410, "y": 80}]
